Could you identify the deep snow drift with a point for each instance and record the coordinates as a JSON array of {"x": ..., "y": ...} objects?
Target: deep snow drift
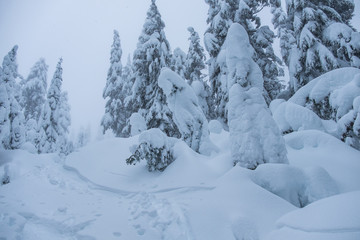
[{"x": 93, "y": 194}]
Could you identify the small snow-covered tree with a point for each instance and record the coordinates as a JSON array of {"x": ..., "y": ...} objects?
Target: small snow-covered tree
[
  {"x": 13, "y": 135},
  {"x": 178, "y": 60},
  {"x": 152, "y": 54},
  {"x": 114, "y": 117},
  {"x": 83, "y": 137},
  {"x": 255, "y": 137},
  {"x": 187, "y": 113},
  {"x": 55, "y": 117},
  {"x": 154, "y": 147}
]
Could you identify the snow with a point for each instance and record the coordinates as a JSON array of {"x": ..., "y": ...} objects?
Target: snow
[
  {"x": 337, "y": 217},
  {"x": 320, "y": 87},
  {"x": 137, "y": 123},
  {"x": 93, "y": 194},
  {"x": 292, "y": 117}
]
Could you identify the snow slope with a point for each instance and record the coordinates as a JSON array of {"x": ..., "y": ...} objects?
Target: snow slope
[{"x": 95, "y": 195}]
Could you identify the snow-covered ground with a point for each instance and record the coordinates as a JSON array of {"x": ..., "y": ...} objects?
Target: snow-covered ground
[{"x": 93, "y": 194}]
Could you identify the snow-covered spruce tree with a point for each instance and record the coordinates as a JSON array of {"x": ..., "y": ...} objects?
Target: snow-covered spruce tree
[
  {"x": 114, "y": 117},
  {"x": 127, "y": 77},
  {"x": 178, "y": 62},
  {"x": 33, "y": 99},
  {"x": 64, "y": 121},
  {"x": 308, "y": 22},
  {"x": 220, "y": 16},
  {"x": 55, "y": 119},
  {"x": 4, "y": 115},
  {"x": 152, "y": 54},
  {"x": 187, "y": 114},
  {"x": 261, "y": 39},
  {"x": 13, "y": 135},
  {"x": 83, "y": 137},
  {"x": 255, "y": 137},
  {"x": 195, "y": 64}
]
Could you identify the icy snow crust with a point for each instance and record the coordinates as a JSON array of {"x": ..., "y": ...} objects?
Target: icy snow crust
[{"x": 95, "y": 195}]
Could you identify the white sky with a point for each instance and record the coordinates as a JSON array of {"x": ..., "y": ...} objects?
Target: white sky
[{"x": 81, "y": 31}]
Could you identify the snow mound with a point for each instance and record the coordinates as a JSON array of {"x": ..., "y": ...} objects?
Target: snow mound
[
  {"x": 297, "y": 186},
  {"x": 137, "y": 123},
  {"x": 336, "y": 217},
  {"x": 312, "y": 148},
  {"x": 215, "y": 126}
]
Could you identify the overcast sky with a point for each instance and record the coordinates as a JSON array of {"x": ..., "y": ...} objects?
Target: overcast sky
[{"x": 81, "y": 31}]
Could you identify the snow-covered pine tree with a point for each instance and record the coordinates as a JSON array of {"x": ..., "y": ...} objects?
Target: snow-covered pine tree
[
  {"x": 195, "y": 59},
  {"x": 64, "y": 121},
  {"x": 83, "y": 137},
  {"x": 220, "y": 16},
  {"x": 194, "y": 65},
  {"x": 4, "y": 115},
  {"x": 178, "y": 62},
  {"x": 114, "y": 117},
  {"x": 127, "y": 77},
  {"x": 261, "y": 39},
  {"x": 14, "y": 136},
  {"x": 308, "y": 21},
  {"x": 255, "y": 137},
  {"x": 151, "y": 55},
  {"x": 55, "y": 117},
  {"x": 33, "y": 98}
]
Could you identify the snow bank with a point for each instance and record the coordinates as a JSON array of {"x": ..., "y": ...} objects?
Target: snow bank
[
  {"x": 336, "y": 217},
  {"x": 297, "y": 186}
]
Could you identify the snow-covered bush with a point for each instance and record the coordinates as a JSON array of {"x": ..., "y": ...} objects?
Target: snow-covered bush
[
  {"x": 297, "y": 186},
  {"x": 187, "y": 114},
  {"x": 255, "y": 137},
  {"x": 154, "y": 147}
]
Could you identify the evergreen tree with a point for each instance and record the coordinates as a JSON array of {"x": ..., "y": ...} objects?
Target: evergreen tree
[
  {"x": 33, "y": 98},
  {"x": 307, "y": 23},
  {"x": 114, "y": 117},
  {"x": 222, "y": 14},
  {"x": 178, "y": 62},
  {"x": 13, "y": 135},
  {"x": 128, "y": 81},
  {"x": 195, "y": 64},
  {"x": 55, "y": 117},
  {"x": 195, "y": 59},
  {"x": 255, "y": 137},
  {"x": 152, "y": 54}
]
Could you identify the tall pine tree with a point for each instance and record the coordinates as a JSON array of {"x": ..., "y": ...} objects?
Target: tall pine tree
[
  {"x": 151, "y": 55},
  {"x": 55, "y": 119},
  {"x": 12, "y": 132},
  {"x": 115, "y": 118}
]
